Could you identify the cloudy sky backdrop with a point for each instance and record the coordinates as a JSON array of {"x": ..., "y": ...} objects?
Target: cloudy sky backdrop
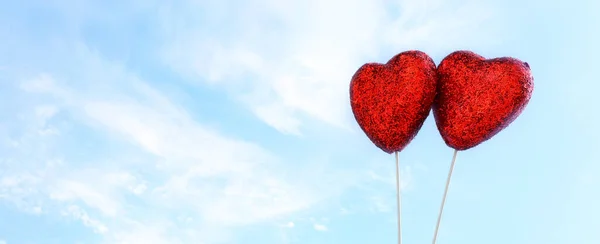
[{"x": 228, "y": 121}]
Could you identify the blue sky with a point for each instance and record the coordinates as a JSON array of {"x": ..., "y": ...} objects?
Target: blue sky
[{"x": 229, "y": 122}]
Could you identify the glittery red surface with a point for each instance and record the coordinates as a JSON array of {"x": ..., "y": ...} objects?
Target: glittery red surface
[
  {"x": 477, "y": 98},
  {"x": 391, "y": 101}
]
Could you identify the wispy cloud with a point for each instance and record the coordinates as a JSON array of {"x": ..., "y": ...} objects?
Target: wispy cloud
[
  {"x": 320, "y": 227},
  {"x": 292, "y": 60},
  {"x": 290, "y": 225},
  {"x": 189, "y": 169}
]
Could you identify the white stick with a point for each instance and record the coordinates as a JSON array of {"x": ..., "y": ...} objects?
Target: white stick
[
  {"x": 439, "y": 220},
  {"x": 399, "y": 200}
]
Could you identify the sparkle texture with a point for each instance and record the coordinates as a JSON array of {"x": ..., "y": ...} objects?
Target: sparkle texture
[
  {"x": 391, "y": 101},
  {"x": 477, "y": 98}
]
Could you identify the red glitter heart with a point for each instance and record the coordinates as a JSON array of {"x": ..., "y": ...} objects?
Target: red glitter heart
[
  {"x": 391, "y": 101},
  {"x": 477, "y": 98}
]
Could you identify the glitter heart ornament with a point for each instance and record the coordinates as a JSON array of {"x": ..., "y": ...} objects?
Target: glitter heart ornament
[
  {"x": 477, "y": 98},
  {"x": 391, "y": 101}
]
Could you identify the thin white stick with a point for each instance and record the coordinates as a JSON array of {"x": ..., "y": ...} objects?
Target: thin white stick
[
  {"x": 399, "y": 200},
  {"x": 439, "y": 220}
]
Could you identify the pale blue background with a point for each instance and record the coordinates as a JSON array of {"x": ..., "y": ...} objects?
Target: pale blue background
[{"x": 228, "y": 122}]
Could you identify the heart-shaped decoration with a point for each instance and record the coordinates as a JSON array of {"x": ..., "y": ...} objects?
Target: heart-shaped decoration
[
  {"x": 391, "y": 101},
  {"x": 477, "y": 98}
]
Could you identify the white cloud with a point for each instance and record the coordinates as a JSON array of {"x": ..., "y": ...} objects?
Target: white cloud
[
  {"x": 320, "y": 227},
  {"x": 96, "y": 188},
  {"x": 217, "y": 182},
  {"x": 151, "y": 233},
  {"x": 390, "y": 177},
  {"x": 80, "y": 214},
  {"x": 290, "y": 225},
  {"x": 2, "y": 242},
  {"x": 291, "y": 59},
  {"x": 379, "y": 204},
  {"x": 345, "y": 211}
]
